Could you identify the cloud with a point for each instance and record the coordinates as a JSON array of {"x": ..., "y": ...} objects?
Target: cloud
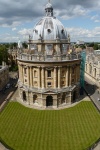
[
  {"x": 15, "y": 12},
  {"x": 84, "y": 34},
  {"x": 14, "y": 29},
  {"x": 95, "y": 18}
]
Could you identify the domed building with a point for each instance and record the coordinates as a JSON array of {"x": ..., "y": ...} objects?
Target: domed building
[{"x": 49, "y": 74}]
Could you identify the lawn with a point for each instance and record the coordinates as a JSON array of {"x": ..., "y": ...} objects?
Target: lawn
[{"x": 73, "y": 128}]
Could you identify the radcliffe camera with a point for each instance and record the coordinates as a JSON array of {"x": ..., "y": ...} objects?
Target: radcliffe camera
[{"x": 49, "y": 75}]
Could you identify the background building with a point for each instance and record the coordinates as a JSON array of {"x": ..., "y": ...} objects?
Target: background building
[
  {"x": 92, "y": 67},
  {"x": 4, "y": 76},
  {"x": 12, "y": 56},
  {"x": 48, "y": 74}
]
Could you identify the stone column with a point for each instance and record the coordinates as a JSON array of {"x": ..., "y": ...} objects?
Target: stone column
[
  {"x": 55, "y": 77},
  {"x": 59, "y": 77},
  {"x": 22, "y": 74},
  {"x": 66, "y": 76},
  {"x": 39, "y": 75},
  {"x": 43, "y": 77},
  {"x": 19, "y": 71},
  {"x": 28, "y": 75},
  {"x": 31, "y": 77},
  {"x": 76, "y": 72},
  {"x": 70, "y": 74}
]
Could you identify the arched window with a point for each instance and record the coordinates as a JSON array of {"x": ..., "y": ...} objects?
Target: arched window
[
  {"x": 73, "y": 70},
  {"x": 62, "y": 31},
  {"x": 90, "y": 68},
  {"x": 35, "y": 73},
  {"x": 86, "y": 67},
  {"x": 49, "y": 73},
  {"x": 95, "y": 72},
  {"x": 25, "y": 70}
]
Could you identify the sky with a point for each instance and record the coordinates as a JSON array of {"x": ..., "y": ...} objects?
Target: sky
[{"x": 81, "y": 18}]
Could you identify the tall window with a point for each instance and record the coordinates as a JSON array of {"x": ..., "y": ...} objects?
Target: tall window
[
  {"x": 86, "y": 67},
  {"x": 95, "y": 72},
  {"x": 90, "y": 69},
  {"x": 35, "y": 73},
  {"x": 49, "y": 73},
  {"x": 73, "y": 70},
  {"x": 25, "y": 70}
]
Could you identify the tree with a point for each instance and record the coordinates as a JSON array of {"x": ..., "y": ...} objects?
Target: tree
[
  {"x": 95, "y": 47},
  {"x": 25, "y": 45},
  {"x": 3, "y": 54}
]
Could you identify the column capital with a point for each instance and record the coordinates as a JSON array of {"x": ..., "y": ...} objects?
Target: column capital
[
  {"x": 42, "y": 67},
  {"x": 55, "y": 66},
  {"x": 38, "y": 66},
  {"x": 59, "y": 66}
]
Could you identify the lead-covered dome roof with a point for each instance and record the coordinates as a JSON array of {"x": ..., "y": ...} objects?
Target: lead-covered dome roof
[{"x": 49, "y": 27}]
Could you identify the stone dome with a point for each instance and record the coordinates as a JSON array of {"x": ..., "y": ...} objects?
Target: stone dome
[{"x": 49, "y": 27}]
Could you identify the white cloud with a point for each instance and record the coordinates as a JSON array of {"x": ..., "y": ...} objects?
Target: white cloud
[
  {"x": 25, "y": 31},
  {"x": 84, "y": 34},
  {"x": 95, "y": 18},
  {"x": 14, "y": 13},
  {"x": 14, "y": 29}
]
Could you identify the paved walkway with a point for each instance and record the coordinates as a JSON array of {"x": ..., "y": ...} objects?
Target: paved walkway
[
  {"x": 97, "y": 147},
  {"x": 2, "y": 147}
]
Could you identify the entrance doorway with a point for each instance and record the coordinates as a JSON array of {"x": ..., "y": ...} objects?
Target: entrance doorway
[{"x": 49, "y": 101}]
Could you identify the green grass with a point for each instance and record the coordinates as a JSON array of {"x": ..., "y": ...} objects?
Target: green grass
[{"x": 73, "y": 128}]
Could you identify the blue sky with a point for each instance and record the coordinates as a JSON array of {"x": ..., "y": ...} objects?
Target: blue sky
[{"x": 81, "y": 18}]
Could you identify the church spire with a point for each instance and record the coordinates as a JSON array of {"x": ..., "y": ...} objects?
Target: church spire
[{"x": 49, "y": 9}]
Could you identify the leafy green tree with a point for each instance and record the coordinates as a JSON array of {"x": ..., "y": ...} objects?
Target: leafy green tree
[
  {"x": 25, "y": 45},
  {"x": 3, "y": 54},
  {"x": 95, "y": 47},
  {"x": 91, "y": 44}
]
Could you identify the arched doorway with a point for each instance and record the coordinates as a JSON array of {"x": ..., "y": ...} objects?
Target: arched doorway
[
  {"x": 63, "y": 99},
  {"x": 34, "y": 98},
  {"x": 74, "y": 97},
  {"x": 49, "y": 101},
  {"x": 24, "y": 96}
]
